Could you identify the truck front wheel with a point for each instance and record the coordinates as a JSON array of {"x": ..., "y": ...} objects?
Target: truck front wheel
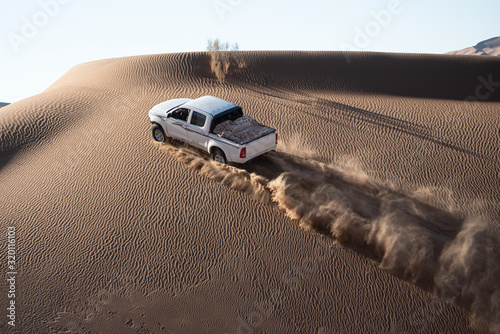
[
  {"x": 218, "y": 156},
  {"x": 158, "y": 133}
]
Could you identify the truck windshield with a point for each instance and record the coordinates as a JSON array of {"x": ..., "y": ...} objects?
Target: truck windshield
[{"x": 230, "y": 115}]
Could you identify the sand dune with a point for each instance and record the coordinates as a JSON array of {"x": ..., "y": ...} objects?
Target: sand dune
[
  {"x": 379, "y": 212},
  {"x": 489, "y": 47}
]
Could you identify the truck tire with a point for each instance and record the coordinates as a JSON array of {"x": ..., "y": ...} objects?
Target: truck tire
[
  {"x": 158, "y": 133},
  {"x": 218, "y": 156}
]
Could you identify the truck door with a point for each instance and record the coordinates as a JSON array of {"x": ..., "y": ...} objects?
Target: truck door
[
  {"x": 176, "y": 124},
  {"x": 195, "y": 130}
]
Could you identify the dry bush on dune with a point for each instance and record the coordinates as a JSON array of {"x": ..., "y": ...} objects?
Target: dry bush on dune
[{"x": 223, "y": 59}]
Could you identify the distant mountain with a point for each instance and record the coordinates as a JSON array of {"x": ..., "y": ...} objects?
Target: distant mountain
[
  {"x": 489, "y": 47},
  {"x": 3, "y": 104}
]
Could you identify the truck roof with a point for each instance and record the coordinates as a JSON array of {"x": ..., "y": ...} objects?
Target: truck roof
[{"x": 211, "y": 105}]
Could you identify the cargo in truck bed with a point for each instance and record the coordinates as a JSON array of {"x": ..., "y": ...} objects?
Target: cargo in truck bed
[{"x": 243, "y": 130}]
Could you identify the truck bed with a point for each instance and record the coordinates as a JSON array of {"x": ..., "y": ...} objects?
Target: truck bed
[{"x": 243, "y": 130}]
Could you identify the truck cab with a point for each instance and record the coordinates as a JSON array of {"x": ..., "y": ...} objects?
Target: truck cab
[{"x": 196, "y": 121}]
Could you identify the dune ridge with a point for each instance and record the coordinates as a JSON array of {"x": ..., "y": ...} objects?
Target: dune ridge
[
  {"x": 367, "y": 72},
  {"x": 95, "y": 200},
  {"x": 489, "y": 47}
]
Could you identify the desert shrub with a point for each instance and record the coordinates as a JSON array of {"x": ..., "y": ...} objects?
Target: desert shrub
[
  {"x": 217, "y": 45},
  {"x": 222, "y": 58}
]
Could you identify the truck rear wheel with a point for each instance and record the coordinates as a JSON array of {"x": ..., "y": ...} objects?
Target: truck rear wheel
[
  {"x": 218, "y": 156},
  {"x": 158, "y": 133}
]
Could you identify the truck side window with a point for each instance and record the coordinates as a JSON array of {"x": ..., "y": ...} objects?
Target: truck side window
[
  {"x": 180, "y": 114},
  {"x": 198, "y": 119}
]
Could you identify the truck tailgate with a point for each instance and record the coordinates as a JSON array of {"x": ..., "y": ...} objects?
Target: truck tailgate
[{"x": 261, "y": 145}]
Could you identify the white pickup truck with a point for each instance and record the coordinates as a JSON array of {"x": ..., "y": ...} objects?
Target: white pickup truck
[{"x": 213, "y": 125}]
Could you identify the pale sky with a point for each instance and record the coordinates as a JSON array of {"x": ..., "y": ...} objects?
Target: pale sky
[{"x": 42, "y": 39}]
